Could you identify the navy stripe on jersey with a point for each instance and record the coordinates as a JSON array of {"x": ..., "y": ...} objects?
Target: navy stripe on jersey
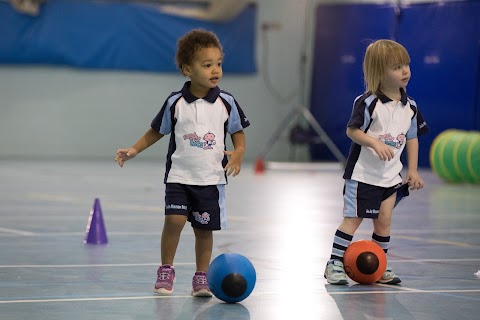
[
  {"x": 225, "y": 130},
  {"x": 235, "y": 123},
  {"x": 421, "y": 125},
  {"x": 361, "y": 118},
  {"x": 172, "y": 146},
  {"x": 163, "y": 120}
]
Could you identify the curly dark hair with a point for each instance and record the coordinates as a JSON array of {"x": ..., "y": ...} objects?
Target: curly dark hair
[{"x": 191, "y": 42}]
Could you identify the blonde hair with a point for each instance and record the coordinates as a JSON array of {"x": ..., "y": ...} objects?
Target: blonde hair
[{"x": 380, "y": 55}]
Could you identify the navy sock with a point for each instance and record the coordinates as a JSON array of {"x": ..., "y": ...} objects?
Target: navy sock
[
  {"x": 383, "y": 242},
  {"x": 341, "y": 242}
]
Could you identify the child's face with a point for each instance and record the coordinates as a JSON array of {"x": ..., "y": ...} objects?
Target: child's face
[
  {"x": 205, "y": 71},
  {"x": 396, "y": 77}
]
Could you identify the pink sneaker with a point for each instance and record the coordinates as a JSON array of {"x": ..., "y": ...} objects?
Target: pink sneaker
[
  {"x": 200, "y": 285},
  {"x": 165, "y": 279}
]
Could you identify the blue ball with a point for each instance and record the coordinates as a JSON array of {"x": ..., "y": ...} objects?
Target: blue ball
[{"x": 231, "y": 277}]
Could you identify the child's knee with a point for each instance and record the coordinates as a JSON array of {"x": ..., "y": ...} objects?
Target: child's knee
[
  {"x": 202, "y": 233},
  {"x": 175, "y": 221},
  {"x": 350, "y": 225}
]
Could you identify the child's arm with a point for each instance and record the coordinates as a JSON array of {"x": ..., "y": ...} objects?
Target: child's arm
[
  {"x": 413, "y": 178},
  {"x": 234, "y": 165},
  {"x": 383, "y": 151},
  {"x": 149, "y": 138}
]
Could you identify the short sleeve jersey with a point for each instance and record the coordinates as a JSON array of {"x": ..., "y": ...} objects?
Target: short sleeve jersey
[
  {"x": 198, "y": 129},
  {"x": 392, "y": 122}
]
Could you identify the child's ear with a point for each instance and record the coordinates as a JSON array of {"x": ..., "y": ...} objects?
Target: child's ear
[{"x": 186, "y": 70}]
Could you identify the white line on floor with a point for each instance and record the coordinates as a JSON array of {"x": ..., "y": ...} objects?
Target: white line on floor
[
  {"x": 192, "y": 263},
  {"x": 256, "y": 294}
]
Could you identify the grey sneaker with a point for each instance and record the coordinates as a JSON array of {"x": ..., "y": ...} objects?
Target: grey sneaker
[
  {"x": 165, "y": 279},
  {"x": 200, "y": 286},
  {"x": 389, "y": 277},
  {"x": 335, "y": 273}
]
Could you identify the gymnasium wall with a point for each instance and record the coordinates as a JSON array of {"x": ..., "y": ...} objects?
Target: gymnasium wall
[
  {"x": 70, "y": 109},
  {"x": 61, "y": 111},
  {"x": 443, "y": 40}
]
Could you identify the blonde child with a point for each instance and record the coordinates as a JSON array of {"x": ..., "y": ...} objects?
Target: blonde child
[{"x": 383, "y": 122}]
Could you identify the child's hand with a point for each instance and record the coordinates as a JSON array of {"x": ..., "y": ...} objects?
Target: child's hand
[
  {"x": 123, "y": 155},
  {"x": 383, "y": 151},
  {"x": 235, "y": 163},
  {"x": 413, "y": 179}
]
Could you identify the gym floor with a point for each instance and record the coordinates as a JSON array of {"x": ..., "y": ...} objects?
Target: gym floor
[{"x": 283, "y": 220}]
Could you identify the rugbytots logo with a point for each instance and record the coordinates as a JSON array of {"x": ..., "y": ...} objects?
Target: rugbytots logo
[{"x": 195, "y": 141}]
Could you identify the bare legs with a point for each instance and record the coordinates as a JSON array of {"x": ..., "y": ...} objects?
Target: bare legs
[
  {"x": 171, "y": 236},
  {"x": 203, "y": 248},
  {"x": 381, "y": 226},
  {"x": 172, "y": 228}
]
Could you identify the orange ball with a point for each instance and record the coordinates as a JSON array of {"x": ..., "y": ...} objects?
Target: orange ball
[{"x": 364, "y": 261}]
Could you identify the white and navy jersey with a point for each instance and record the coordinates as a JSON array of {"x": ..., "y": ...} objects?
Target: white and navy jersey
[
  {"x": 198, "y": 130},
  {"x": 392, "y": 122}
]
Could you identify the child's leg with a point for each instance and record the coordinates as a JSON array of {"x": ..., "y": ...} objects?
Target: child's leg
[
  {"x": 170, "y": 237},
  {"x": 381, "y": 235},
  {"x": 203, "y": 248},
  {"x": 356, "y": 200},
  {"x": 334, "y": 270},
  {"x": 343, "y": 237},
  {"x": 382, "y": 224},
  {"x": 203, "y": 254},
  {"x": 172, "y": 229}
]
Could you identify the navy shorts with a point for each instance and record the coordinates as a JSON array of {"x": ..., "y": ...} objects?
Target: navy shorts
[
  {"x": 364, "y": 200},
  {"x": 204, "y": 206}
]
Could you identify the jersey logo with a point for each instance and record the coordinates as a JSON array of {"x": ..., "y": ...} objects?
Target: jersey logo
[
  {"x": 388, "y": 139},
  {"x": 209, "y": 140},
  {"x": 195, "y": 141}
]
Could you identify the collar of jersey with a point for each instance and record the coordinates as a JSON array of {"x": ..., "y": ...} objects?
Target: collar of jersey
[
  {"x": 211, "y": 96},
  {"x": 384, "y": 99}
]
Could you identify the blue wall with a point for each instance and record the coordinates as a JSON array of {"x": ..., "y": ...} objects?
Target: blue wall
[
  {"x": 443, "y": 40},
  {"x": 342, "y": 32},
  {"x": 115, "y": 36},
  {"x": 444, "y": 44}
]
